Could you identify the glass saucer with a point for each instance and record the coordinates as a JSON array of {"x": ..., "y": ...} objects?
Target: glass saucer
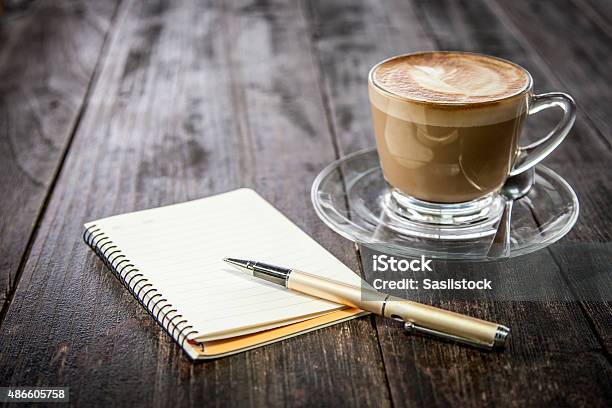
[{"x": 350, "y": 196}]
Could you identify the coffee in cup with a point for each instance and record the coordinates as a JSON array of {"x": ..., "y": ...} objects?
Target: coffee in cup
[{"x": 447, "y": 127}]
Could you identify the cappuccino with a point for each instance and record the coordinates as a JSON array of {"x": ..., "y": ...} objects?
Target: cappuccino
[{"x": 447, "y": 124}]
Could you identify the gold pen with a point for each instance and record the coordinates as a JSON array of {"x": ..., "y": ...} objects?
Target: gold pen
[{"x": 417, "y": 317}]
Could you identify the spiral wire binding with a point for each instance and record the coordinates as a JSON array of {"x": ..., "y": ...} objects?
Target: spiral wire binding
[{"x": 122, "y": 268}]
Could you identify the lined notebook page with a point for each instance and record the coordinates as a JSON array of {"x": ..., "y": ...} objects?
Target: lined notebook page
[{"x": 179, "y": 249}]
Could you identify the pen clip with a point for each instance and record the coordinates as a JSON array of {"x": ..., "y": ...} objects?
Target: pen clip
[{"x": 411, "y": 328}]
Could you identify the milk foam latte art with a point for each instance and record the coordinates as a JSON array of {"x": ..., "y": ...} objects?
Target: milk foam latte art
[
  {"x": 451, "y": 78},
  {"x": 447, "y": 124}
]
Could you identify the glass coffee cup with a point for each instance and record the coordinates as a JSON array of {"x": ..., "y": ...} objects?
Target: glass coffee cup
[{"x": 447, "y": 127}]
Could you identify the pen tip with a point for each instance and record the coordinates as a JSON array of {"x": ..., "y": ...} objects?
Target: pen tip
[{"x": 237, "y": 262}]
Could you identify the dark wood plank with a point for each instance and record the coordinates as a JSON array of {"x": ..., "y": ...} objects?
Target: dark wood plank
[
  {"x": 551, "y": 332},
  {"x": 599, "y": 11},
  {"x": 47, "y": 59},
  {"x": 586, "y": 268},
  {"x": 193, "y": 99}
]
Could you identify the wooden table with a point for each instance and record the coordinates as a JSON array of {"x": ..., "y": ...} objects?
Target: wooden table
[{"x": 117, "y": 105}]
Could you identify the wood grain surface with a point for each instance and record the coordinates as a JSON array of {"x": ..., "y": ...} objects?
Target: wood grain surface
[
  {"x": 48, "y": 55},
  {"x": 113, "y": 108}
]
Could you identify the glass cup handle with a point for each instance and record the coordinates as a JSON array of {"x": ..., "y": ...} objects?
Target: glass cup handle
[{"x": 530, "y": 155}]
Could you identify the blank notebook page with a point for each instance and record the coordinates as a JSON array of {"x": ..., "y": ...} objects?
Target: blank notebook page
[{"x": 180, "y": 250}]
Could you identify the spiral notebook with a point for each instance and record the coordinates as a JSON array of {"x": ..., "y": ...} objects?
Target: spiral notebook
[{"x": 170, "y": 259}]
